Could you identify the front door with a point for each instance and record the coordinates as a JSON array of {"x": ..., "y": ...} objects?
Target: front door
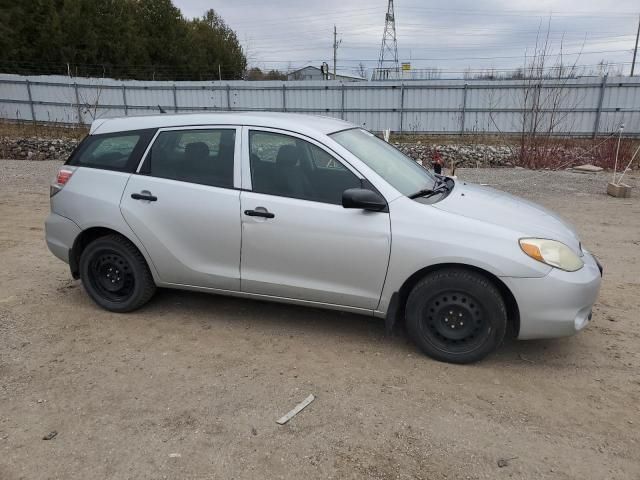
[
  {"x": 184, "y": 208},
  {"x": 297, "y": 240}
]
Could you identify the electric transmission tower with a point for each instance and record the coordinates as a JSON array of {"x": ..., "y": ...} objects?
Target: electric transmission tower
[{"x": 388, "y": 60}]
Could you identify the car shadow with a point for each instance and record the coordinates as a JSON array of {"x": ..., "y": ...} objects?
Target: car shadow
[{"x": 210, "y": 311}]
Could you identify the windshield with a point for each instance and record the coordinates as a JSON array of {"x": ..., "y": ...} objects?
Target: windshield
[{"x": 397, "y": 169}]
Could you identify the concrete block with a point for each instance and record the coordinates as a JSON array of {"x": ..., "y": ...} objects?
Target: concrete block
[{"x": 618, "y": 190}]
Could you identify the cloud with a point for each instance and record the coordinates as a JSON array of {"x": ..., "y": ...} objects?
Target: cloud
[{"x": 448, "y": 34}]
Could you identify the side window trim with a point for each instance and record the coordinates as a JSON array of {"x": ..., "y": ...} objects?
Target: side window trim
[{"x": 237, "y": 151}]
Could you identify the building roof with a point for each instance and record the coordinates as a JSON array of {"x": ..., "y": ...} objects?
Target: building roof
[
  {"x": 286, "y": 121},
  {"x": 339, "y": 73}
]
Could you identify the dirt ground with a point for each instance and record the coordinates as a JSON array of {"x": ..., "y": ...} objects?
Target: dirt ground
[{"x": 190, "y": 386}]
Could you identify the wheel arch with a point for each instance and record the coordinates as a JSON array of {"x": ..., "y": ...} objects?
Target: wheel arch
[
  {"x": 85, "y": 237},
  {"x": 513, "y": 312}
]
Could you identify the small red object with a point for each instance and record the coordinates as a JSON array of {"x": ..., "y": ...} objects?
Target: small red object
[{"x": 63, "y": 176}]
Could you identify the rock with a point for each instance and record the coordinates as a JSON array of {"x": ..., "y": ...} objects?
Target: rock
[
  {"x": 35, "y": 148},
  {"x": 463, "y": 155},
  {"x": 504, "y": 462},
  {"x": 587, "y": 168}
]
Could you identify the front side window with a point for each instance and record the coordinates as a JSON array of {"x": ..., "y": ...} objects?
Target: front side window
[
  {"x": 195, "y": 156},
  {"x": 287, "y": 166},
  {"x": 119, "y": 151},
  {"x": 398, "y": 170}
]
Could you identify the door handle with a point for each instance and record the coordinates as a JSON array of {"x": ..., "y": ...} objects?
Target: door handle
[
  {"x": 144, "y": 196},
  {"x": 259, "y": 213}
]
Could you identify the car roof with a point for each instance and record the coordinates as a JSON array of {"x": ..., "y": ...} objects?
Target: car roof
[{"x": 286, "y": 121}]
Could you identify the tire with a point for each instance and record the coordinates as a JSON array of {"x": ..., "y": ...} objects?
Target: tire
[
  {"x": 456, "y": 315},
  {"x": 115, "y": 274}
]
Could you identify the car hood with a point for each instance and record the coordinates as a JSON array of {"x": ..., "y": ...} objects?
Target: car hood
[{"x": 506, "y": 210}]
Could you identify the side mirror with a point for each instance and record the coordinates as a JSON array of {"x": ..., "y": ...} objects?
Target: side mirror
[{"x": 363, "y": 198}]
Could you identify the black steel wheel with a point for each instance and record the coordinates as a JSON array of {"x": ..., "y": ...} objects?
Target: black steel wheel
[
  {"x": 111, "y": 275},
  {"x": 456, "y": 315},
  {"x": 115, "y": 274}
]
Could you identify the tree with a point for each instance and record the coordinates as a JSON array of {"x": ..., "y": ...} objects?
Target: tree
[
  {"x": 256, "y": 73},
  {"x": 139, "y": 39},
  {"x": 214, "y": 44}
]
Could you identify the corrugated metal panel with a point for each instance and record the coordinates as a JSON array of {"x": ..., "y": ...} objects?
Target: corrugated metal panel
[
  {"x": 565, "y": 106},
  {"x": 150, "y": 97}
]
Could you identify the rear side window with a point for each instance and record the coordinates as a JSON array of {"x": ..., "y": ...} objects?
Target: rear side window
[
  {"x": 120, "y": 151},
  {"x": 195, "y": 156}
]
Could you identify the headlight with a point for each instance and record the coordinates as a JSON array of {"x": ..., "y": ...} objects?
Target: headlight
[{"x": 551, "y": 252}]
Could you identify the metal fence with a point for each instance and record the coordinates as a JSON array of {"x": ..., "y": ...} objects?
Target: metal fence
[{"x": 581, "y": 107}]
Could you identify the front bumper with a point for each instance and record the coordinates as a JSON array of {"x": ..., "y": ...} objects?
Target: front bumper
[
  {"x": 60, "y": 233},
  {"x": 558, "y": 304}
]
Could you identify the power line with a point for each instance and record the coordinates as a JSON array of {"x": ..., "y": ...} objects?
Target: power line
[
  {"x": 431, "y": 59},
  {"x": 449, "y": 47}
]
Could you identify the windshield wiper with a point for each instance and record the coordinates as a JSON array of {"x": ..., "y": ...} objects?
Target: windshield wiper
[
  {"x": 429, "y": 192},
  {"x": 440, "y": 180},
  {"x": 421, "y": 193}
]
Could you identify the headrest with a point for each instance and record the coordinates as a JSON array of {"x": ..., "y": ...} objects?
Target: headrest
[
  {"x": 287, "y": 156},
  {"x": 196, "y": 150}
]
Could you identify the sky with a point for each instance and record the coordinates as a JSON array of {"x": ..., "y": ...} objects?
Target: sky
[{"x": 449, "y": 35}]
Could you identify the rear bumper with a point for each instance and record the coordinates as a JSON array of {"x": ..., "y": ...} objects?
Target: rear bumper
[
  {"x": 60, "y": 233},
  {"x": 558, "y": 304}
]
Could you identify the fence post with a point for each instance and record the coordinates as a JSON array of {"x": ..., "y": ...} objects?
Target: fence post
[
  {"x": 80, "y": 119},
  {"x": 464, "y": 109},
  {"x": 228, "y": 97},
  {"x": 401, "y": 108},
  {"x": 284, "y": 97},
  {"x": 124, "y": 99},
  {"x": 33, "y": 112},
  {"x": 342, "y": 101},
  {"x": 175, "y": 98},
  {"x": 596, "y": 125}
]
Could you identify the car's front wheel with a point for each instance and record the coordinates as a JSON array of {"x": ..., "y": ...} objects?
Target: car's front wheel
[
  {"x": 456, "y": 315},
  {"x": 115, "y": 274}
]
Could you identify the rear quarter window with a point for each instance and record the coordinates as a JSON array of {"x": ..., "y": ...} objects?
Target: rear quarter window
[{"x": 114, "y": 151}]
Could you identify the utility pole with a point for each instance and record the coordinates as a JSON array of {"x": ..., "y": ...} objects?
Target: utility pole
[
  {"x": 336, "y": 43},
  {"x": 389, "y": 48},
  {"x": 635, "y": 50}
]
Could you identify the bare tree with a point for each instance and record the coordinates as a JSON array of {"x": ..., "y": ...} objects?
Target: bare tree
[
  {"x": 545, "y": 99},
  {"x": 432, "y": 73}
]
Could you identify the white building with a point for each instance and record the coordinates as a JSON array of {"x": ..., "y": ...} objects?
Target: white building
[{"x": 314, "y": 73}]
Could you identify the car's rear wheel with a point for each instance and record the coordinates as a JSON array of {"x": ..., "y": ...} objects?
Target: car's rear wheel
[
  {"x": 456, "y": 315},
  {"x": 115, "y": 274}
]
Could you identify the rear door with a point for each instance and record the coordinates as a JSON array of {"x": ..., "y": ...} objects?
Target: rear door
[
  {"x": 297, "y": 240},
  {"x": 184, "y": 204}
]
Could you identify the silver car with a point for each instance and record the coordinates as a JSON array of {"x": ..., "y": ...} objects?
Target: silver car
[{"x": 313, "y": 211}]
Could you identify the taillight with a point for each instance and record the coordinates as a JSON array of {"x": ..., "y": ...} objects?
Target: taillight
[{"x": 62, "y": 177}]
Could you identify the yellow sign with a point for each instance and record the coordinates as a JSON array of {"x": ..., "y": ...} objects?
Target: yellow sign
[{"x": 406, "y": 66}]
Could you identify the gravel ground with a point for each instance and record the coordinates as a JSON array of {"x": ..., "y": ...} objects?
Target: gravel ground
[
  {"x": 542, "y": 183},
  {"x": 190, "y": 386},
  {"x": 518, "y": 181}
]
